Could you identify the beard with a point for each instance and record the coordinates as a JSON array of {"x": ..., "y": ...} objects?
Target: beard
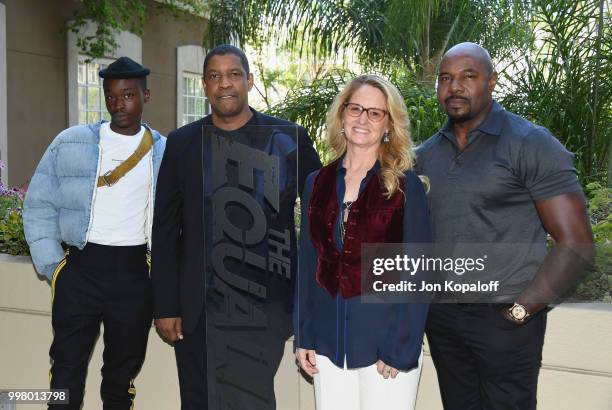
[{"x": 458, "y": 118}]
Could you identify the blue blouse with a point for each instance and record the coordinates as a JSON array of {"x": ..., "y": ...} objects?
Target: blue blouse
[{"x": 363, "y": 333}]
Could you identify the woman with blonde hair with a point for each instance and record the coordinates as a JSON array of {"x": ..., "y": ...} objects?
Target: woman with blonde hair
[{"x": 363, "y": 356}]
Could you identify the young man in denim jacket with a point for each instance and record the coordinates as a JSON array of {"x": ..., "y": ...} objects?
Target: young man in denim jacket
[{"x": 93, "y": 192}]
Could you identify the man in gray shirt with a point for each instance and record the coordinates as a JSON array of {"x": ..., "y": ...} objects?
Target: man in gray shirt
[{"x": 497, "y": 178}]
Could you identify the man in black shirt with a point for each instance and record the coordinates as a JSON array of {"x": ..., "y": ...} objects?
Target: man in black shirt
[
  {"x": 223, "y": 256},
  {"x": 498, "y": 179}
]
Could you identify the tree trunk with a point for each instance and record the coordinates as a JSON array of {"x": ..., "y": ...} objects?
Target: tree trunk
[
  {"x": 595, "y": 100},
  {"x": 610, "y": 165}
]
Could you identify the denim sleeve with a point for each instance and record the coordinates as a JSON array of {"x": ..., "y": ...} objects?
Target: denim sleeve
[
  {"x": 41, "y": 216},
  {"x": 405, "y": 339},
  {"x": 307, "y": 265}
]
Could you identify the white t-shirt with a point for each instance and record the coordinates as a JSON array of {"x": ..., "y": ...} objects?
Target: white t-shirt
[{"x": 120, "y": 211}]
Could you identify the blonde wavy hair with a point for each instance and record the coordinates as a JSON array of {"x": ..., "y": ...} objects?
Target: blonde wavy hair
[{"x": 395, "y": 156}]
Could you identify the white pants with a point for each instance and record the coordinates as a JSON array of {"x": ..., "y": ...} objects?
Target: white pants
[{"x": 363, "y": 388}]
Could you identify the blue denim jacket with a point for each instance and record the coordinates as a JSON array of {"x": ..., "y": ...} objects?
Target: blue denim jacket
[{"x": 59, "y": 201}]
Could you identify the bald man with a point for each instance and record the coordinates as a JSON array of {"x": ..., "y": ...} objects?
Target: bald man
[{"x": 504, "y": 182}]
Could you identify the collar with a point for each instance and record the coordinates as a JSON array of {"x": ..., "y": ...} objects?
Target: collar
[
  {"x": 493, "y": 122},
  {"x": 254, "y": 120},
  {"x": 95, "y": 129},
  {"x": 491, "y": 125}
]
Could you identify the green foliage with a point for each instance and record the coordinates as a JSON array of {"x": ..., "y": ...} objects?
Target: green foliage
[
  {"x": 12, "y": 238},
  {"x": 380, "y": 32},
  {"x": 564, "y": 81},
  {"x": 270, "y": 83},
  {"x": 111, "y": 16},
  {"x": 178, "y": 7},
  {"x": 600, "y": 211},
  {"x": 307, "y": 105},
  {"x": 597, "y": 286},
  {"x": 424, "y": 112}
]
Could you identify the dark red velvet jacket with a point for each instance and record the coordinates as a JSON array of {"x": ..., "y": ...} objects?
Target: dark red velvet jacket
[{"x": 372, "y": 219}]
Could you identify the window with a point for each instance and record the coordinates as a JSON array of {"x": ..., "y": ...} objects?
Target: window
[
  {"x": 191, "y": 102},
  {"x": 195, "y": 104},
  {"x": 90, "y": 93}
]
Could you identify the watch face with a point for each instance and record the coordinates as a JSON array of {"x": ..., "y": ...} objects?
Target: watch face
[{"x": 518, "y": 312}]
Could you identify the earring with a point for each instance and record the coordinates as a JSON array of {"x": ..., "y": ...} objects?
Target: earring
[{"x": 386, "y": 136}]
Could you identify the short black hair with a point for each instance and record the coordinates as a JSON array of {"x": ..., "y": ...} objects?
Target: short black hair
[
  {"x": 142, "y": 82},
  {"x": 224, "y": 49}
]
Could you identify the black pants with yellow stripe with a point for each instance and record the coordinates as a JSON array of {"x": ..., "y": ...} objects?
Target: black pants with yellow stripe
[{"x": 108, "y": 285}]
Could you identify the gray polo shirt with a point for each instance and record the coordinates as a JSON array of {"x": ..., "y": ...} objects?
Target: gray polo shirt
[{"x": 487, "y": 192}]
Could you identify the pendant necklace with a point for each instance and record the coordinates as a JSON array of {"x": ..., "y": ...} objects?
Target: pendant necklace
[{"x": 346, "y": 208}]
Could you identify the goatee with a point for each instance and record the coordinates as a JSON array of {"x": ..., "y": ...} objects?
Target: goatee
[{"x": 459, "y": 119}]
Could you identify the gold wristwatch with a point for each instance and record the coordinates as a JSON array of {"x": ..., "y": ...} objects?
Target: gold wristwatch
[{"x": 518, "y": 312}]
